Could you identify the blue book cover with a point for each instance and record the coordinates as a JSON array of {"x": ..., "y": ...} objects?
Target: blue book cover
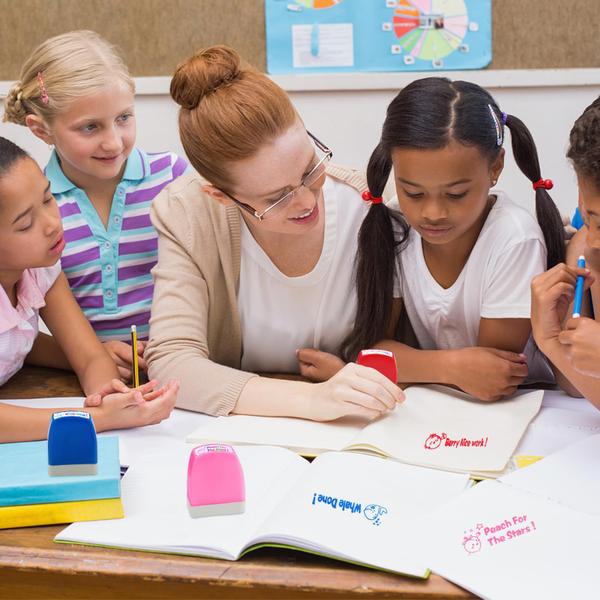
[{"x": 24, "y": 475}]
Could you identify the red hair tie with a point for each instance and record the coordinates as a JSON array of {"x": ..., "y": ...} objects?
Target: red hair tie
[
  {"x": 368, "y": 197},
  {"x": 543, "y": 183}
]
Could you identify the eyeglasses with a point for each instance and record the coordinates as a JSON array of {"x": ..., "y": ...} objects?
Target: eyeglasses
[{"x": 312, "y": 180}]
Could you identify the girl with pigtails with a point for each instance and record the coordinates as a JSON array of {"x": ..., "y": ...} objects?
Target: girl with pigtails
[{"x": 457, "y": 259}]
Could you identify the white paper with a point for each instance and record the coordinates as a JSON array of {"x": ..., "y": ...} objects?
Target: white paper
[
  {"x": 507, "y": 544},
  {"x": 328, "y": 45},
  {"x": 441, "y": 428},
  {"x": 557, "y": 427},
  {"x": 301, "y": 435},
  {"x": 434, "y": 426},
  {"x": 570, "y": 477}
]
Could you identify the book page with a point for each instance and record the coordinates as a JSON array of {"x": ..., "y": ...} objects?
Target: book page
[
  {"x": 156, "y": 514},
  {"x": 507, "y": 544},
  {"x": 570, "y": 477},
  {"x": 309, "y": 438},
  {"x": 555, "y": 428},
  {"x": 446, "y": 429},
  {"x": 358, "y": 508}
]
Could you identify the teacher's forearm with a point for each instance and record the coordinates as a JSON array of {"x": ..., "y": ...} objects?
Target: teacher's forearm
[{"x": 268, "y": 397}]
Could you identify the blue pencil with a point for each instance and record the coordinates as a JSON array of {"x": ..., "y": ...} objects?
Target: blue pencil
[{"x": 579, "y": 290}]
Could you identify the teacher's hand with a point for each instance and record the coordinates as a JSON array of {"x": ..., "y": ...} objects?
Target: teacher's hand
[{"x": 354, "y": 391}]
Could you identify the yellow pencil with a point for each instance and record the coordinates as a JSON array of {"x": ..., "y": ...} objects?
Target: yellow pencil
[{"x": 134, "y": 362}]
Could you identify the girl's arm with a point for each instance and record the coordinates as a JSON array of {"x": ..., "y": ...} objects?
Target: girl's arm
[
  {"x": 47, "y": 353},
  {"x": 75, "y": 336},
  {"x": 117, "y": 411},
  {"x": 504, "y": 334},
  {"x": 486, "y": 373}
]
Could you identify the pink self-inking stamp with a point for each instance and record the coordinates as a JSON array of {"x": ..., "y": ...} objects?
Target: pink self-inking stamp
[
  {"x": 381, "y": 360},
  {"x": 215, "y": 483}
]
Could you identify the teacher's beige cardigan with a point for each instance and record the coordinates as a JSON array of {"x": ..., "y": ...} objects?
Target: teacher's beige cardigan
[{"x": 195, "y": 332}]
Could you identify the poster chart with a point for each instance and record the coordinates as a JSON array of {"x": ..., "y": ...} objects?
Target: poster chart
[{"x": 308, "y": 36}]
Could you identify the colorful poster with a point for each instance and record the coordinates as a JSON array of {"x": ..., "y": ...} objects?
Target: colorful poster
[{"x": 308, "y": 36}]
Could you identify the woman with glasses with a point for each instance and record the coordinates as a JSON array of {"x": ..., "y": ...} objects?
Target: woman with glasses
[{"x": 256, "y": 254}]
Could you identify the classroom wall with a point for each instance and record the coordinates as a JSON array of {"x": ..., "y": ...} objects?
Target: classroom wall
[
  {"x": 527, "y": 34},
  {"x": 349, "y": 118}
]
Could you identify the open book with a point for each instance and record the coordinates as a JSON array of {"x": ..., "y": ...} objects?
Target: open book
[
  {"x": 434, "y": 427},
  {"x": 349, "y": 506},
  {"x": 531, "y": 534}
]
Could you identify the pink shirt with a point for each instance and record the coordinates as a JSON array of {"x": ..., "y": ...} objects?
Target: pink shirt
[{"x": 19, "y": 326}]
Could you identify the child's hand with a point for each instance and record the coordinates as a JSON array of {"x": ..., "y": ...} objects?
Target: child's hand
[
  {"x": 120, "y": 352},
  {"x": 318, "y": 366},
  {"x": 551, "y": 294},
  {"x": 354, "y": 391},
  {"x": 122, "y": 411},
  {"x": 592, "y": 258},
  {"x": 489, "y": 374},
  {"x": 581, "y": 338},
  {"x": 117, "y": 386}
]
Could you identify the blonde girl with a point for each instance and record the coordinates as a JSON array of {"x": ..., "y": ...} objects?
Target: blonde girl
[{"x": 76, "y": 94}]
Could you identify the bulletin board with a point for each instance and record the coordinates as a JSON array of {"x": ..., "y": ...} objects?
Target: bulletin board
[
  {"x": 308, "y": 36},
  {"x": 155, "y": 35}
]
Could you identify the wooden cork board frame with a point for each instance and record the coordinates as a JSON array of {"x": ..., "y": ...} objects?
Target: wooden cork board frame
[{"x": 155, "y": 35}]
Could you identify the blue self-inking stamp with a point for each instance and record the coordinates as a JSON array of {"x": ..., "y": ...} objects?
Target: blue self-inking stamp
[{"x": 72, "y": 444}]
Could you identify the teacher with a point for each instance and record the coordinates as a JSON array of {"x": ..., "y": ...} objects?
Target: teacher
[{"x": 255, "y": 254}]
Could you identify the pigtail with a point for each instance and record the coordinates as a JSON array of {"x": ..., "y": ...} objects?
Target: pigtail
[
  {"x": 548, "y": 217},
  {"x": 375, "y": 262}
]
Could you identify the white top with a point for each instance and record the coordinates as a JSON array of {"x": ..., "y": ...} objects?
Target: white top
[
  {"x": 19, "y": 325},
  {"x": 280, "y": 314},
  {"x": 494, "y": 283}
]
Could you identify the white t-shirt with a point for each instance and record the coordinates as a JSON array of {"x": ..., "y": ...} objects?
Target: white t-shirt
[
  {"x": 280, "y": 314},
  {"x": 494, "y": 283}
]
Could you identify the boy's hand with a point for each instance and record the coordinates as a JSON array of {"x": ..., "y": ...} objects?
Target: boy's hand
[
  {"x": 551, "y": 294},
  {"x": 121, "y": 354},
  {"x": 318, "y": 366},
  {"x": 581, "y": 338}
]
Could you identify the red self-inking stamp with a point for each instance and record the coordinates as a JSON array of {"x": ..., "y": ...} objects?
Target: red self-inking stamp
[{"x": 381, "y": 360}]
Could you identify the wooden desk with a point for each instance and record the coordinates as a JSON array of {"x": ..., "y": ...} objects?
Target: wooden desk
[{"x": 32, "y": 565}]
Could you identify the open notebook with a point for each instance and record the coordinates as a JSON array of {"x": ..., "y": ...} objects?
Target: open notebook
[
  {"x": 434, "y": 427},
  {"x": 348, "y": 506},
  {"x": 531, "y": 534}
]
